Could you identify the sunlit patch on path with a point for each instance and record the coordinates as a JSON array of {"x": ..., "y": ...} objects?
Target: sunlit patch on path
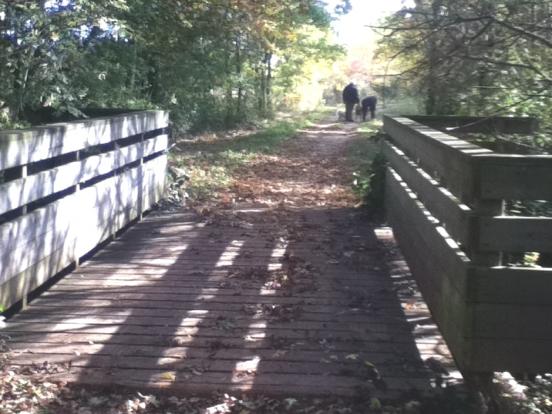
[{"x": 284, "y": 289}]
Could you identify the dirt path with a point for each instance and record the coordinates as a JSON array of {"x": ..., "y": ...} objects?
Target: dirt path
[{"x": 283, "y": 287}]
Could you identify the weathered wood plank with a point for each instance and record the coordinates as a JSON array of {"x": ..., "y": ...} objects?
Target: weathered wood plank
[
  {"x": 243, "y": 323},
  {"x": 512, "y": 321},
  {"x": 437, "y": 153},
  {"x": 441, "y": 276},
  {"x": 385, "y": 306},
  {"x": 513, "y": 355},
  {"x": 275, "y": 384},
  {"x": 514, "y": 177},
  {"x": 381, "y": 332},
  {"x": 40, "y": 143},
  {"x": 455, "y": 216},
  {"x": 445, "y": 250},
  {"x": 378, "y": 345},
  {"x": 510, "y": 285},
  {"x": 388, "y": 315},
  {"x": 505, "y": 146},
  {"x": 507, "y": 125},
  {"x": 515, "y": 234},
  {"x": 236, "y": 366},
  {"x": 196, "y": 353}
]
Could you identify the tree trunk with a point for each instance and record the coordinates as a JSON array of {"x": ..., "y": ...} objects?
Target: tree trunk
[
  {"x": 268, "y": 83},
  {"x": 432, "y": 52},
  {"x": 239, "y": 74}
]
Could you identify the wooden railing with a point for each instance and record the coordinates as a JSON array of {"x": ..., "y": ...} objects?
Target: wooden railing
[
  {"x": 444, "y": 200},
  {"x": 67, "y": 187}
]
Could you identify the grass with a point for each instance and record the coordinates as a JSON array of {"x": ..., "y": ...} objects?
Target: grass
[{"x": 209, "y": 161}]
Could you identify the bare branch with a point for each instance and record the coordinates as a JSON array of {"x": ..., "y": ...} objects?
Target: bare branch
[{"x": 522, "y": 31}]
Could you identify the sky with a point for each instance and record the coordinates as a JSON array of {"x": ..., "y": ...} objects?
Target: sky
[{"x": 351, "y": 28}]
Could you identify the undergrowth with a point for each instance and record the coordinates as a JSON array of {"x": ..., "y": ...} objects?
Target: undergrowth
[{"x": 368, "y": 167}]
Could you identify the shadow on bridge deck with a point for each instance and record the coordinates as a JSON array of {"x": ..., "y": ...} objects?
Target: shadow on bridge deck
[{"x": 276, "y": 301}]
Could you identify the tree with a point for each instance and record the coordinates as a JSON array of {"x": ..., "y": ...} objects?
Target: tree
[
  {"x": 213, "y": 63},
  {"x": 475, "y": 56}
]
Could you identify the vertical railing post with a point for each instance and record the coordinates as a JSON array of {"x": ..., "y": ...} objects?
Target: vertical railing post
[
  {"x": 141, "y": 170},
  {"x": 479, "y": 383},
  {"x": 482, "y": 208}
]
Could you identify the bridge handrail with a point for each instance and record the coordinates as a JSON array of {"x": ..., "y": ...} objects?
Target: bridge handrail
[
  {"x": 444, "y": 199},
  {"x": 67, "y": 187}
]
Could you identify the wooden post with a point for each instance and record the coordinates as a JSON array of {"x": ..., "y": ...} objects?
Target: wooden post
[
  {"x": 485, "y": 208},
  {"x": 141, "y": 169},
  {"x": 479, "y": 384}
]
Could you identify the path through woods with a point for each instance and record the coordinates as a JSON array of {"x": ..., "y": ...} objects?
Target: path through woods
[{"x": 282, "y": 287}]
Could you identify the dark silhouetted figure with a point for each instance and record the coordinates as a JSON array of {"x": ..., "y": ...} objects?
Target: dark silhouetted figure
[
  {"x": 350, "y": 98},
  {"x": 369, "y": 103}
]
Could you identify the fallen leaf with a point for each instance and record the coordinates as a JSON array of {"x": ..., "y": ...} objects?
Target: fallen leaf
[{"x": 168, "y": 376}]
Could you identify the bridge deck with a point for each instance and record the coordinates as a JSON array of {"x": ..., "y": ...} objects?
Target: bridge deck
[
  {"x": 183, "y": 305},
  {"x": 304, "y": 297}
]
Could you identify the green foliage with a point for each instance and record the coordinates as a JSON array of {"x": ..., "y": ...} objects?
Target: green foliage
[
  {"x": 212, "y": 63},
  {"x": 474, "y": 57},
  {"x": 374, "y": 190},
  {"x": 368, "y": 168}
]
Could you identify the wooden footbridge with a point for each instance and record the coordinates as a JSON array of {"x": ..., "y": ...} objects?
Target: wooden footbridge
[{"x": 317, "y": 302}]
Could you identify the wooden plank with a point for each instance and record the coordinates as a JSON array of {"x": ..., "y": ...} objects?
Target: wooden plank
[
  {"x": 513, "y": 355},
  {"x": 455, "y": 216},
  {"x": 182, "y": 305},
  {"x": 441, "y": 274},
  {"x": 40, "y": 143},
  {"x": 510, "y": 285},
  {"x": 387, "y": 315},
  {"x": 514, "y": 177},
  {"x": 512, "y": 321},
  {"x": 439, "y": 154},
  {"x": 208, "y": 288},
  {"x": 515, "y": 234},
  {"x": 234, "y": 365},
  {"x": 377, "y": 345},
  {"x": 444, "y": 249},
  {"x": 156, "y": 144},
  {"x": 196, "y": 353},
  {"x": 245, "y": 322},
  {"x": 360, "y": 335},
  {"x": 506, "y": 125},
  {"x": 183, "y": 382},
  {"x": 506, "y": 146},
  {"x": 446, "y": 304},
  {"x": 184, "y": 298}
]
